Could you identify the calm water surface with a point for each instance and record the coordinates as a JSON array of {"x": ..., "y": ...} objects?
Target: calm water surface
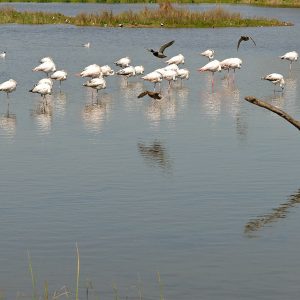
[{"x": 88, "y": 173}]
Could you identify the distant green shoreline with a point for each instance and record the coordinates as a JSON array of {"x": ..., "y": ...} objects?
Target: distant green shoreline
[
  {"x": 165, "y": 15},
  {"x": 268, "y": 3}
]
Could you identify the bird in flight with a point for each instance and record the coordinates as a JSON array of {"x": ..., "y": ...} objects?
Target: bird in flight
[
  {"x": 160, "y": 52},
  {"x": 153, "y": 95},
  {"x": 244, "y": 38}
]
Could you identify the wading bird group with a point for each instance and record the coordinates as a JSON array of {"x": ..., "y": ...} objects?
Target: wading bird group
[{"x": 170, "y": 72}]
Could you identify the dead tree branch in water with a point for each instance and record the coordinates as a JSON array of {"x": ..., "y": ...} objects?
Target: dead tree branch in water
[{"x": 274, "y": 109}]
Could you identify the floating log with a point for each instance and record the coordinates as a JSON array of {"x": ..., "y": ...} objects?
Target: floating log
[{"x": 274, "y": 109}]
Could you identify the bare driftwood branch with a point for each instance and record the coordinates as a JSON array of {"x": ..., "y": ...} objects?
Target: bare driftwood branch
[{"x": 274, "y": 109}]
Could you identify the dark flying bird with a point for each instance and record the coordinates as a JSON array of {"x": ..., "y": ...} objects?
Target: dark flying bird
[
  {"x": 160, "y": 52},
  {"x": 244, "y": 38},
  {"x": 154, "y": 95}
]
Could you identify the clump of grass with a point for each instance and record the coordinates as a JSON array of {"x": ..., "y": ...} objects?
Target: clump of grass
[{"x": 166, "y": 13}]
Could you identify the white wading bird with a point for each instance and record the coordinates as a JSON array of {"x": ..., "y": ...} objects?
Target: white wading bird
[
  {"x": 212, "y": 67},
  {"x": 91, "y": 71},
  {"x": 275, "y": 78},
  {"x": 291, "y": 56},
  {"x": 209, "y": 53},
  {"x": 96, "y": 83},
  {"x": 127, "y": 72},
  {"x": 60, "y": 75},
  {"x": 47, "y": 65},
  {"x": 123, "y": 62},
  {"x": 107, "y": 71},
  {"x": 183, "y": 74},
  {"x": 43, "y": 89},
  {"x": 154, "y": 77},
  {"x": 8, "y": 86},
  {"x": 178, "y": 59}
]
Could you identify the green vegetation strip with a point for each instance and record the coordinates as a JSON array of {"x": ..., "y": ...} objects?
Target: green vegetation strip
[
  {"x": 271, "y": 3},
  {"x": 166, "y": 14}
]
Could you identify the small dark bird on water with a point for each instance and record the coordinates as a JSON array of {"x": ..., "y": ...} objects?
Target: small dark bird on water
[
  {"x": 160, "y": 52},
  {"x": 244, "y": 38},
  {"x": 153, "y": 95}
]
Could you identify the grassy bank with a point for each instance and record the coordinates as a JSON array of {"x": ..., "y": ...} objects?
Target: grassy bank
[
  {"x": 166, "y": 13},
  {"x": 270, "y": 3}
]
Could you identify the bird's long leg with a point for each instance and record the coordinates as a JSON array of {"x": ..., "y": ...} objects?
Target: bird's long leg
[
  {"x": 7, "y": 113},
  {"x": 154, "y": 86},
  {"x": 290, "y": 65},
  {"x": 212, "y": 79}
]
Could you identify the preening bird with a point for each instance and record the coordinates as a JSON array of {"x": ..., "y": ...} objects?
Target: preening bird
[
  {"x": 96, "y": 83},
  {"x": 107, "y": 71},
  {"x": 47, "y": 65},
  {"x": 153, "y": 95},
  {"x": 209, "y": 53},
  {"x": 244, "y": 38},
  {"x": 160, "y": 53},
  {"x": 127, "y": 72},
  {"x": 212, "y": 66},
  {"x": 8, "y": 86},
  {"x": 91, "y": 71},
  {"x": 60, "y": 75},
  {"x": 178, "y": 59},
  {"x": 275, "y": 78},
  {"x": 291, "y": 56},
  {"x": 153, "y": 77},
  {"x": 123, "y": 62}
]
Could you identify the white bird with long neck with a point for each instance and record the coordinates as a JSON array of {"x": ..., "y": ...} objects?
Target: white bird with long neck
[
  {"x": 8, "y": 86},
  {"x": 93, "y": 71},
  {"x": 169, "y": 75},
  {"x": 123, "y": 62},
  {"x": 127, "y": 72},
  {"x": 291, "y": 56},
  {"x": 183, "y": 74},
  {"x": 154, "y": 77},
  {"x": 231, "y": 63},
  {"x": 178, "y": 59},
  {"x": 43, "y": 89},
  {"x": 209, "y": 53},
  {"x": 212, "y": 66},
  {"x": 47, "y": 66},
  {"x": 275, "y": 78},
  {"x": 107, "y": 71},
  {"x": 60, "y": 75},
  {"x": 96, "y": 83}
]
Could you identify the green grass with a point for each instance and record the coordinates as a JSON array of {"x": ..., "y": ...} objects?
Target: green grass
[
  {"x": 271, "y": 3},
  {"x": 170, "y": 16}
]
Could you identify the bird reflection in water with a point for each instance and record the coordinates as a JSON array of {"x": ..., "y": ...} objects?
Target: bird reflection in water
[
  {"x": 130, "y": 92},
  {"x": 8, "y": 122},
  {"x": 276, "y": 214},
  {"x": 42, "y": 114},
  {"x": 155, "y": 154},
  {"x": 94, "y": 114},
  {"x": 60, "y": 102},
  {"x": 211, "y": 103}
]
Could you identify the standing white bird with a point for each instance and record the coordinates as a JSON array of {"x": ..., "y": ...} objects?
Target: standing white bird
[
  {"x": 212, "y": 67},
  {"x": 231, "y": 63},
  {"x": 275, "y": 78},
  {"x": 173, "y": 67},
  {"x": 178, "y": 59},
  {"x": 96, "y": 83},
  {"x": 46, "y": 66},
  {"x": 43, "y": 89},
  {"x": 127, "y": 72},
  {"x": 139, "y": 70},
  {"x": 60, "y": 75},
  {"x": 8, "y": 86},
  {"x": 107, "y": 71},
  {"x": 91, "y": 71},
  {"x": 87, "y": 45},
  {"x": 291, "y": 56},
  {"x": 183, "y": 74},
  {"x": 123, "y": 62},
  {"x": 154, "y": 77},
  {"x": 209, "y": 53},
  {"x": 169, "y": 75},
  {"x": 2, "y": 54}
]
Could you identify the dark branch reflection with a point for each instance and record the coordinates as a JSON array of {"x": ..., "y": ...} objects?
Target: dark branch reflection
[
  {"x": 277, "y": 213},
  {"x": 155, "y": 154}
]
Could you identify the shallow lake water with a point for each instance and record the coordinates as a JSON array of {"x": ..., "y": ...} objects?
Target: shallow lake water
[{"x": 89, "y": 173}]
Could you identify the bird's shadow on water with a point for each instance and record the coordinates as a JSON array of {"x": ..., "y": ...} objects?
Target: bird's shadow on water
[
  {"x": 275, "y": 215},
  {"x": 155, "y": 155}
]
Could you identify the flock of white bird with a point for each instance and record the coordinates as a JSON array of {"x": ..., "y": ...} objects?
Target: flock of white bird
[
  {"x": 171, "y": 72},
  {"x": 236, "y": 63}
]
